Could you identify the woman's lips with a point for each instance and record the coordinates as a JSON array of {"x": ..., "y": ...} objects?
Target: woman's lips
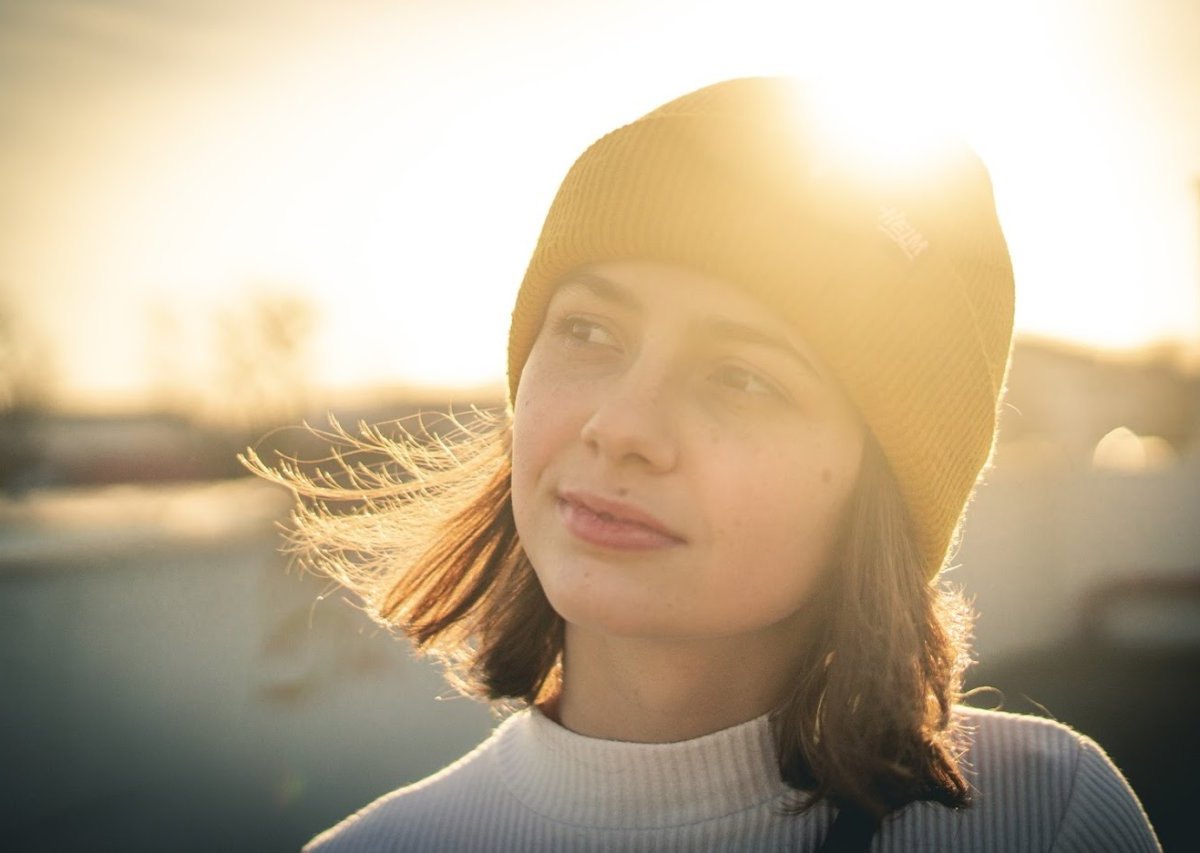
[{"x": 614, "y": 525}]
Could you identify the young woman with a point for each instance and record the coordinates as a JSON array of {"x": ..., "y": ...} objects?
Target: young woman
[{"x": 753, "y": 382}]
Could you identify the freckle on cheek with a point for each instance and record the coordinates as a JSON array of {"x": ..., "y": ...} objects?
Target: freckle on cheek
[{"x": 826, "y": 476}]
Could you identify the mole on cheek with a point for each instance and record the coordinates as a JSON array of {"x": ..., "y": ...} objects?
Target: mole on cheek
[{"x": 826, "y": 476}]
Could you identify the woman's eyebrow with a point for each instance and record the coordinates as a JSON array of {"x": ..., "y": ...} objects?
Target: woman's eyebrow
[
  {"x": 602, "y": 288},
  {"x": 730, "y": 330}
]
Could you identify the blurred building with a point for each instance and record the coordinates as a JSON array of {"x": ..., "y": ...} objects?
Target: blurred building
[
  {"x": 1087, "y": 523},
  {"x": 1067, "y": 399}
]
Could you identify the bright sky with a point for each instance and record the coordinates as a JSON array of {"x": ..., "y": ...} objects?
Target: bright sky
[{"x": 391, "y": 161}]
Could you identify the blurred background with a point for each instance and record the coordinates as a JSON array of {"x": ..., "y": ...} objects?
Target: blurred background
[{"x": 221, "y": 219}]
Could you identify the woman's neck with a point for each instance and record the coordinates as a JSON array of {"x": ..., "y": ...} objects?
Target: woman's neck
[{"x": 663, "y": 691}]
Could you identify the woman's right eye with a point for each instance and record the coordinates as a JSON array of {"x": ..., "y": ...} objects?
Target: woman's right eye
[{"x": 579, "y": 330}]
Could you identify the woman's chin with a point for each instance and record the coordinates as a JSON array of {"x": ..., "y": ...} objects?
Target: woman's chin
[{"x": 618, "y": 617}]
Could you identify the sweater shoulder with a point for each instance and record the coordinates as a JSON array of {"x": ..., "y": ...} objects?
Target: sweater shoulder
[
  {"x": 408, "y": 817},
  {"x": 1052, "y": 780},
  {"x": 1007, "y": 757},
  {"x": 1002, "y": 741},
  {"x": 1011, "y": 756}
]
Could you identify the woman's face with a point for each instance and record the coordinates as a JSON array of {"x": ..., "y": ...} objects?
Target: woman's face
[{"x": 681, "y": 461}]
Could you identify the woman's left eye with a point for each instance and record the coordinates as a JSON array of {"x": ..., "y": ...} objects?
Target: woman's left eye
[{"x": 742, "y": 379}]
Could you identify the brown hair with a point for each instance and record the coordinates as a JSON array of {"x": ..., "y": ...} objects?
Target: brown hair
[{"x": 425, "y": 537}]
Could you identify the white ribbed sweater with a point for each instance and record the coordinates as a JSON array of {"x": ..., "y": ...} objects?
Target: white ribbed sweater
[{"x": 534, "y": 785}]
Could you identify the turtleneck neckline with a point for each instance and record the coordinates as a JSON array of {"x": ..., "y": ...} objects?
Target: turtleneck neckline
[{"x": 591, "y": 782}]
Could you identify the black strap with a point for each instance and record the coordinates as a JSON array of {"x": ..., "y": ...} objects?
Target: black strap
[{"x": 851, "y": 832}]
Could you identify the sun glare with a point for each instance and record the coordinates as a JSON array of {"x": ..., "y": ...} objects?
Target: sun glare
[{"x": 396, "y": 175}]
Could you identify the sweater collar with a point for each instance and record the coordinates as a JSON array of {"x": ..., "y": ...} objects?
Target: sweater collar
[{"x": 592, "y": 782}]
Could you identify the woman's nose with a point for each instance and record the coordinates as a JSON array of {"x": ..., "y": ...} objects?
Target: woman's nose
[{"x": 632, "y": 423}]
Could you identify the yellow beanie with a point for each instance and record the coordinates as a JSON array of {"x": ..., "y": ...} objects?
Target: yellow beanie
[{"x": 900, "y": 280}]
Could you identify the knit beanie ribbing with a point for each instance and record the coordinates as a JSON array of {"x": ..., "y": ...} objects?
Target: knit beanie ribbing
[{"x": 899, "y": 280}]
